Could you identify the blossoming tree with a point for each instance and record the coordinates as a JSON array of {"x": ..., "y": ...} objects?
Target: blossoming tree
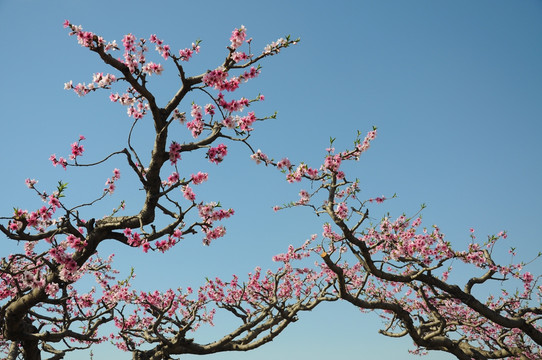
[
  {"x": 393, "y": 265},
  {"x": 404, "y": 271},
  {"x": 43, "y": 307}
]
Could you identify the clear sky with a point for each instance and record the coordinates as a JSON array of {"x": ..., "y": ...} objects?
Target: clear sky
[{"x": 454, "y": 88}]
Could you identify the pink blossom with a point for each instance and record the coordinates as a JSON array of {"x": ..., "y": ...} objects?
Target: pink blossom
[
  {"x": 162, "y": 49},
  {"x": 234, "y": 105},
  {"x": 329, "y": 233},
  {"x": 216, "y": 233},
  {"x": 133, "y": 238},
  {"x": 30, "y": 183},
  {"x": 173, "y": 178},
  {"x": 297, "y": 175},
  {"x": 54, "y": 202},
  {"x": 196, "y": 47},
  {"x": 274, "y": 47},
  {"x": 245, "y": 122},
  {"x": 304, "y": 197},
  {"x": 77, "y": 150},
  {"x": 152, "y": 68},
  {"x": 199, "y": 178},
  {"x": 128, "y": 41},
  {"x": 237, "y": 37},
  {"x": 196, "y": 126},
  {"x": 312, "y": 173},
  {"x": 110, "y": 186},
  {"x": 135, "y": 113},
  {"x": 527, "y": 277},
  {"x": 146, "y": 246},
  {"x": 51, "y": 289},
  {"x": 259, "y": 156},
  {"x": 210, "y": 109},
  {"x": 32, "y": 219},
  {"x": 165, "y": 52},
  {"x": 228, "y": 122},
  {"x": 371, "y": 135},
  {"x": 45, "y": 214},
  {"x": 332, "y": 162},
  {"x": 102, "y": 80},
  {"x": 250, "y": 74},
  {"x": 15, "y": 225},
  {"x": 284, "y": 164},
  {"x": 239, "y": 56},
  {"x": 216, "y": 154},
  {"x": 342, "y": 211},
  {"x": 188, "y": 193},
  {"x": 81, "y": 89},
  {"x": 215, "y": 78},
  {"x": 60, "y": 161},
  {"x": 185, "y": 54},
  {"x": 75, "y": 243},
  {"x": 110, "y": 182},
  {"x": 174, "y": 152},
  {"x": 84, "y": 38}
]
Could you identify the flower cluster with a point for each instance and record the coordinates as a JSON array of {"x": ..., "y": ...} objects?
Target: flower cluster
[
  {"x": 110, "y": 183},
  {"x": 174, "y": 152},
  {"x": 138, "y": 111},
  {"x": 300, "y": 171},
  {"x": 186, "y": 54},
  {"x": 238, "y": 36},
  {"x": 100, "y": 81},
  {"x": 76, "y": 242},
  {"x": 164, "y": 245},
  {"x": 162, "y": 49},
  {"x": 213, "y": 234},
  {"x": 216, "y": 154},
  {"x": 63, "y": 162},
  {"x": 188, "y": 193},
  {"x": 152, "y": 68},
  {"x": 77, "y": 148},
  {"x": 210, "y": 213},
  {"x": 134, "y": 239},
  {"x": 284, "y": 164},
  {"x": 341, "y": 211},
  {"x": 275, "y": 46},
  {"x": 196, "y": 125},
  {"x": 332, "y": 163},
  {"x": 260, "y": 157},
  {"x": 245, "y": 122},
  {"x": 218, "y": 79},
  {"x": 103, "y": 81},
  {"x": 199, "y": 178}
]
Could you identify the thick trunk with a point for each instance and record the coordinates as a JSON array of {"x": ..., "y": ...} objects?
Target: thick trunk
[{"x": 31, "y": 350}]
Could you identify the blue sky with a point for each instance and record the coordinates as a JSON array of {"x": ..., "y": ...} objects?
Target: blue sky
[{"x": 454, "y": 88}]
